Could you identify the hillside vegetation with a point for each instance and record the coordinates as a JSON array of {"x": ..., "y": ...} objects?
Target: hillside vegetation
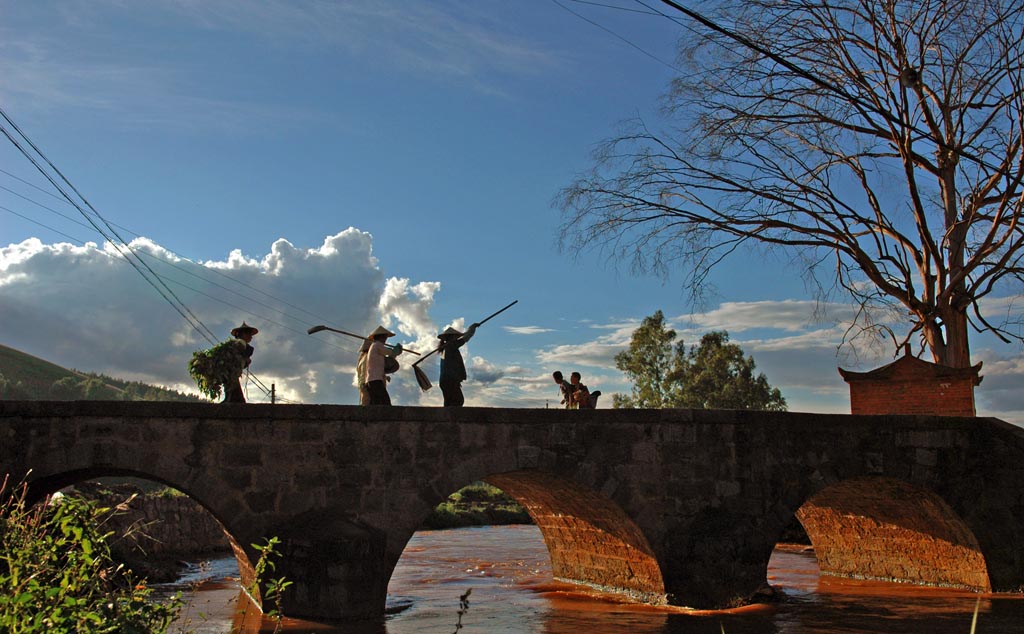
[
  {"x": 25, "y": 377},
  {"x": 478, "y": 504}
]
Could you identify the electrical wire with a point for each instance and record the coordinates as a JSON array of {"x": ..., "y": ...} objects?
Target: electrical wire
[
  {"x": 83, "y": 243},
  {"x": 616, "y": 7},
  {"x": 220, "y": 300},
  {"x": 153, "y": 279},
  {"x": 815, "y": 79},
  {"x": 168, "y": 262},
  {"x": 44, "y": 226},
  {"x": 617, "y": 36}
]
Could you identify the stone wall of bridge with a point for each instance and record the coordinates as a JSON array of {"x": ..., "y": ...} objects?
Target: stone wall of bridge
[{"x": 676, "y": 506}]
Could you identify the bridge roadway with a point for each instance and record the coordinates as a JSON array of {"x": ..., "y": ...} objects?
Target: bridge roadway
[{"x": 668, "y": 506}]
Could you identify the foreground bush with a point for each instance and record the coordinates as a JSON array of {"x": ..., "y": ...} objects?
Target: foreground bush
[{"x": 57, "y": 575}]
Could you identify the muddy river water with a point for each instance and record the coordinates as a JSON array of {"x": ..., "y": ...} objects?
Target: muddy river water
[{"x": 508, "y": 570}]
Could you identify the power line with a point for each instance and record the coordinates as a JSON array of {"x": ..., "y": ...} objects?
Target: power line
[
  {"x": 153, "y": 279},
  {"x": 616, "y": 7},
  {"x": 80, "y": 242},
  {"x": 816, "y": 79},
  {"x": 31, "y": 184},
  {"x": 137, "y": 235},
  {"x": 617, "y": 36},
  {"x": 220, "y": 300},
  {"x": 44, "y": 226}
]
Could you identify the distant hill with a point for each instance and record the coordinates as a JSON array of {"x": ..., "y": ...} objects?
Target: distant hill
[{"x": 25, "y": 377}]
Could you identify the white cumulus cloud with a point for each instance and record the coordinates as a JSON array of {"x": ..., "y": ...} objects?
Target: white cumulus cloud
[{"x": 85, "y": 307}]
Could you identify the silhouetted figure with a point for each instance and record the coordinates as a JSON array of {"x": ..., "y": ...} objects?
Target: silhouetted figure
[
  {"x": 233, "y": 391},
  {"x": 565, "y": 387},
  {"x": 453, "y": 368},
  {"x": 582, "y": 398}
]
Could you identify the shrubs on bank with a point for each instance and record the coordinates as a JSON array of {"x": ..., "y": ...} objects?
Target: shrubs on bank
[
  {"x": 478, "y": 504},
  {"x": 57, "y": 573}
]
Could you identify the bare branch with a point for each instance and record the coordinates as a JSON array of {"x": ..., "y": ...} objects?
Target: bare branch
[{"x": 887, "y": 135}]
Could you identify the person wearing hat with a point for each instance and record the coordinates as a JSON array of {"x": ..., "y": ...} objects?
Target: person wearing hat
[
  {"x": 364, "y": 392},
  {"x": 453, "y": 369},
  {"x": 378, "y": 361},
  {"x": 233, "y": 390}
]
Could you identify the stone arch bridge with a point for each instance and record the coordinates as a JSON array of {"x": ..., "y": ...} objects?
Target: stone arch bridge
[{"x": 670, "y": 506}]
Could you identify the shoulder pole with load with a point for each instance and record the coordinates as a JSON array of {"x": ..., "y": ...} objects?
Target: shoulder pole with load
[{"x": 421, "y": 377}]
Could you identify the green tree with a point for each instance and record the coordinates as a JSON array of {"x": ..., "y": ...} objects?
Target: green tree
[
  {"x": 68, "y": 388},
  {"x": 876, "y": 143},
  {"x": 649, "y": 363},
  {"x": 712, "y": 375},
  {"x": 95, "y": 389},
  {"x": 14, "y": 390},
  {"x": 716, "y": 375}
]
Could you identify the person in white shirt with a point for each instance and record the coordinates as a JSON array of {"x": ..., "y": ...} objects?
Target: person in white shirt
[{"x": 379, "y": 361}]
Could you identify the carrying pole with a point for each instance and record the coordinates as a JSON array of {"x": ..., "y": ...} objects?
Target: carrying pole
[
  {"x": 421, "y": 378},
  {"x": 321, "y": 327},
  {"x": 486, "y": 319}
]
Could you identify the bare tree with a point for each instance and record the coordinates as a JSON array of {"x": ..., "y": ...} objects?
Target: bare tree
[{"x": 876, "y": 142}]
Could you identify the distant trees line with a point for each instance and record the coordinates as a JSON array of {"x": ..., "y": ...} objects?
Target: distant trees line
[{"x": 89, "y": 387}]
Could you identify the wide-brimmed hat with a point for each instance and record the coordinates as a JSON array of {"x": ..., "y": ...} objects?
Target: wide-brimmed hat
[
  {"x": 381, "y": 330},
  {"x": 244, "y": 328},
  {"x": 449, "y": 332}
]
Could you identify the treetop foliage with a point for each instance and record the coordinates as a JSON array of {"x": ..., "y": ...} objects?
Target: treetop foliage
[{"x": 712, "y": 375}]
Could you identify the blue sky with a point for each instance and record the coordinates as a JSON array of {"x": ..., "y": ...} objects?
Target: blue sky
[{"x": 365, "y": 162}]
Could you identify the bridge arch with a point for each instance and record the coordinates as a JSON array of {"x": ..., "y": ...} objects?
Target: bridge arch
[
  {"x": 590, "y": 539},
  {"x": 45, "y": 485},
  {"x": 887, "y": 529}
]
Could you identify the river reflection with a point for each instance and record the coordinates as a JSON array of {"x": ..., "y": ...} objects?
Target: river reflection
[{"x": 508, "y": 570}]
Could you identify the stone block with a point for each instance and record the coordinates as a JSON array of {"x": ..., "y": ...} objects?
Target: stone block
[
  {"x": 248, "y": 454},
  {"x": 527, "y": 457},
  {"x": 645, "y": 453}
]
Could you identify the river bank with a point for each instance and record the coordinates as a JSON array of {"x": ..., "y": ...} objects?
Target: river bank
[
  {"x": 478, "y": 504},
  {"x": 157, "y": 530},
  {"x": 156, "y": 533}
]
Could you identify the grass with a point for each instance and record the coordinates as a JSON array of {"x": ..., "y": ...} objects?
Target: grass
[
  {"x": 32, "y": 378},
  {"x": 35, "y": 374}
]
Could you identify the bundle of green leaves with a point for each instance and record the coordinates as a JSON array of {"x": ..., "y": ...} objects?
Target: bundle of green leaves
[
  {"x": 58, "y": 575},
  {"x": 212, "y": 369}
]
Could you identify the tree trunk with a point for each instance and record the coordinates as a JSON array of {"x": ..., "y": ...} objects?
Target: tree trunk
[
  {"x": 949, "y": 343},
  {"x": 958, "y": 346}
]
